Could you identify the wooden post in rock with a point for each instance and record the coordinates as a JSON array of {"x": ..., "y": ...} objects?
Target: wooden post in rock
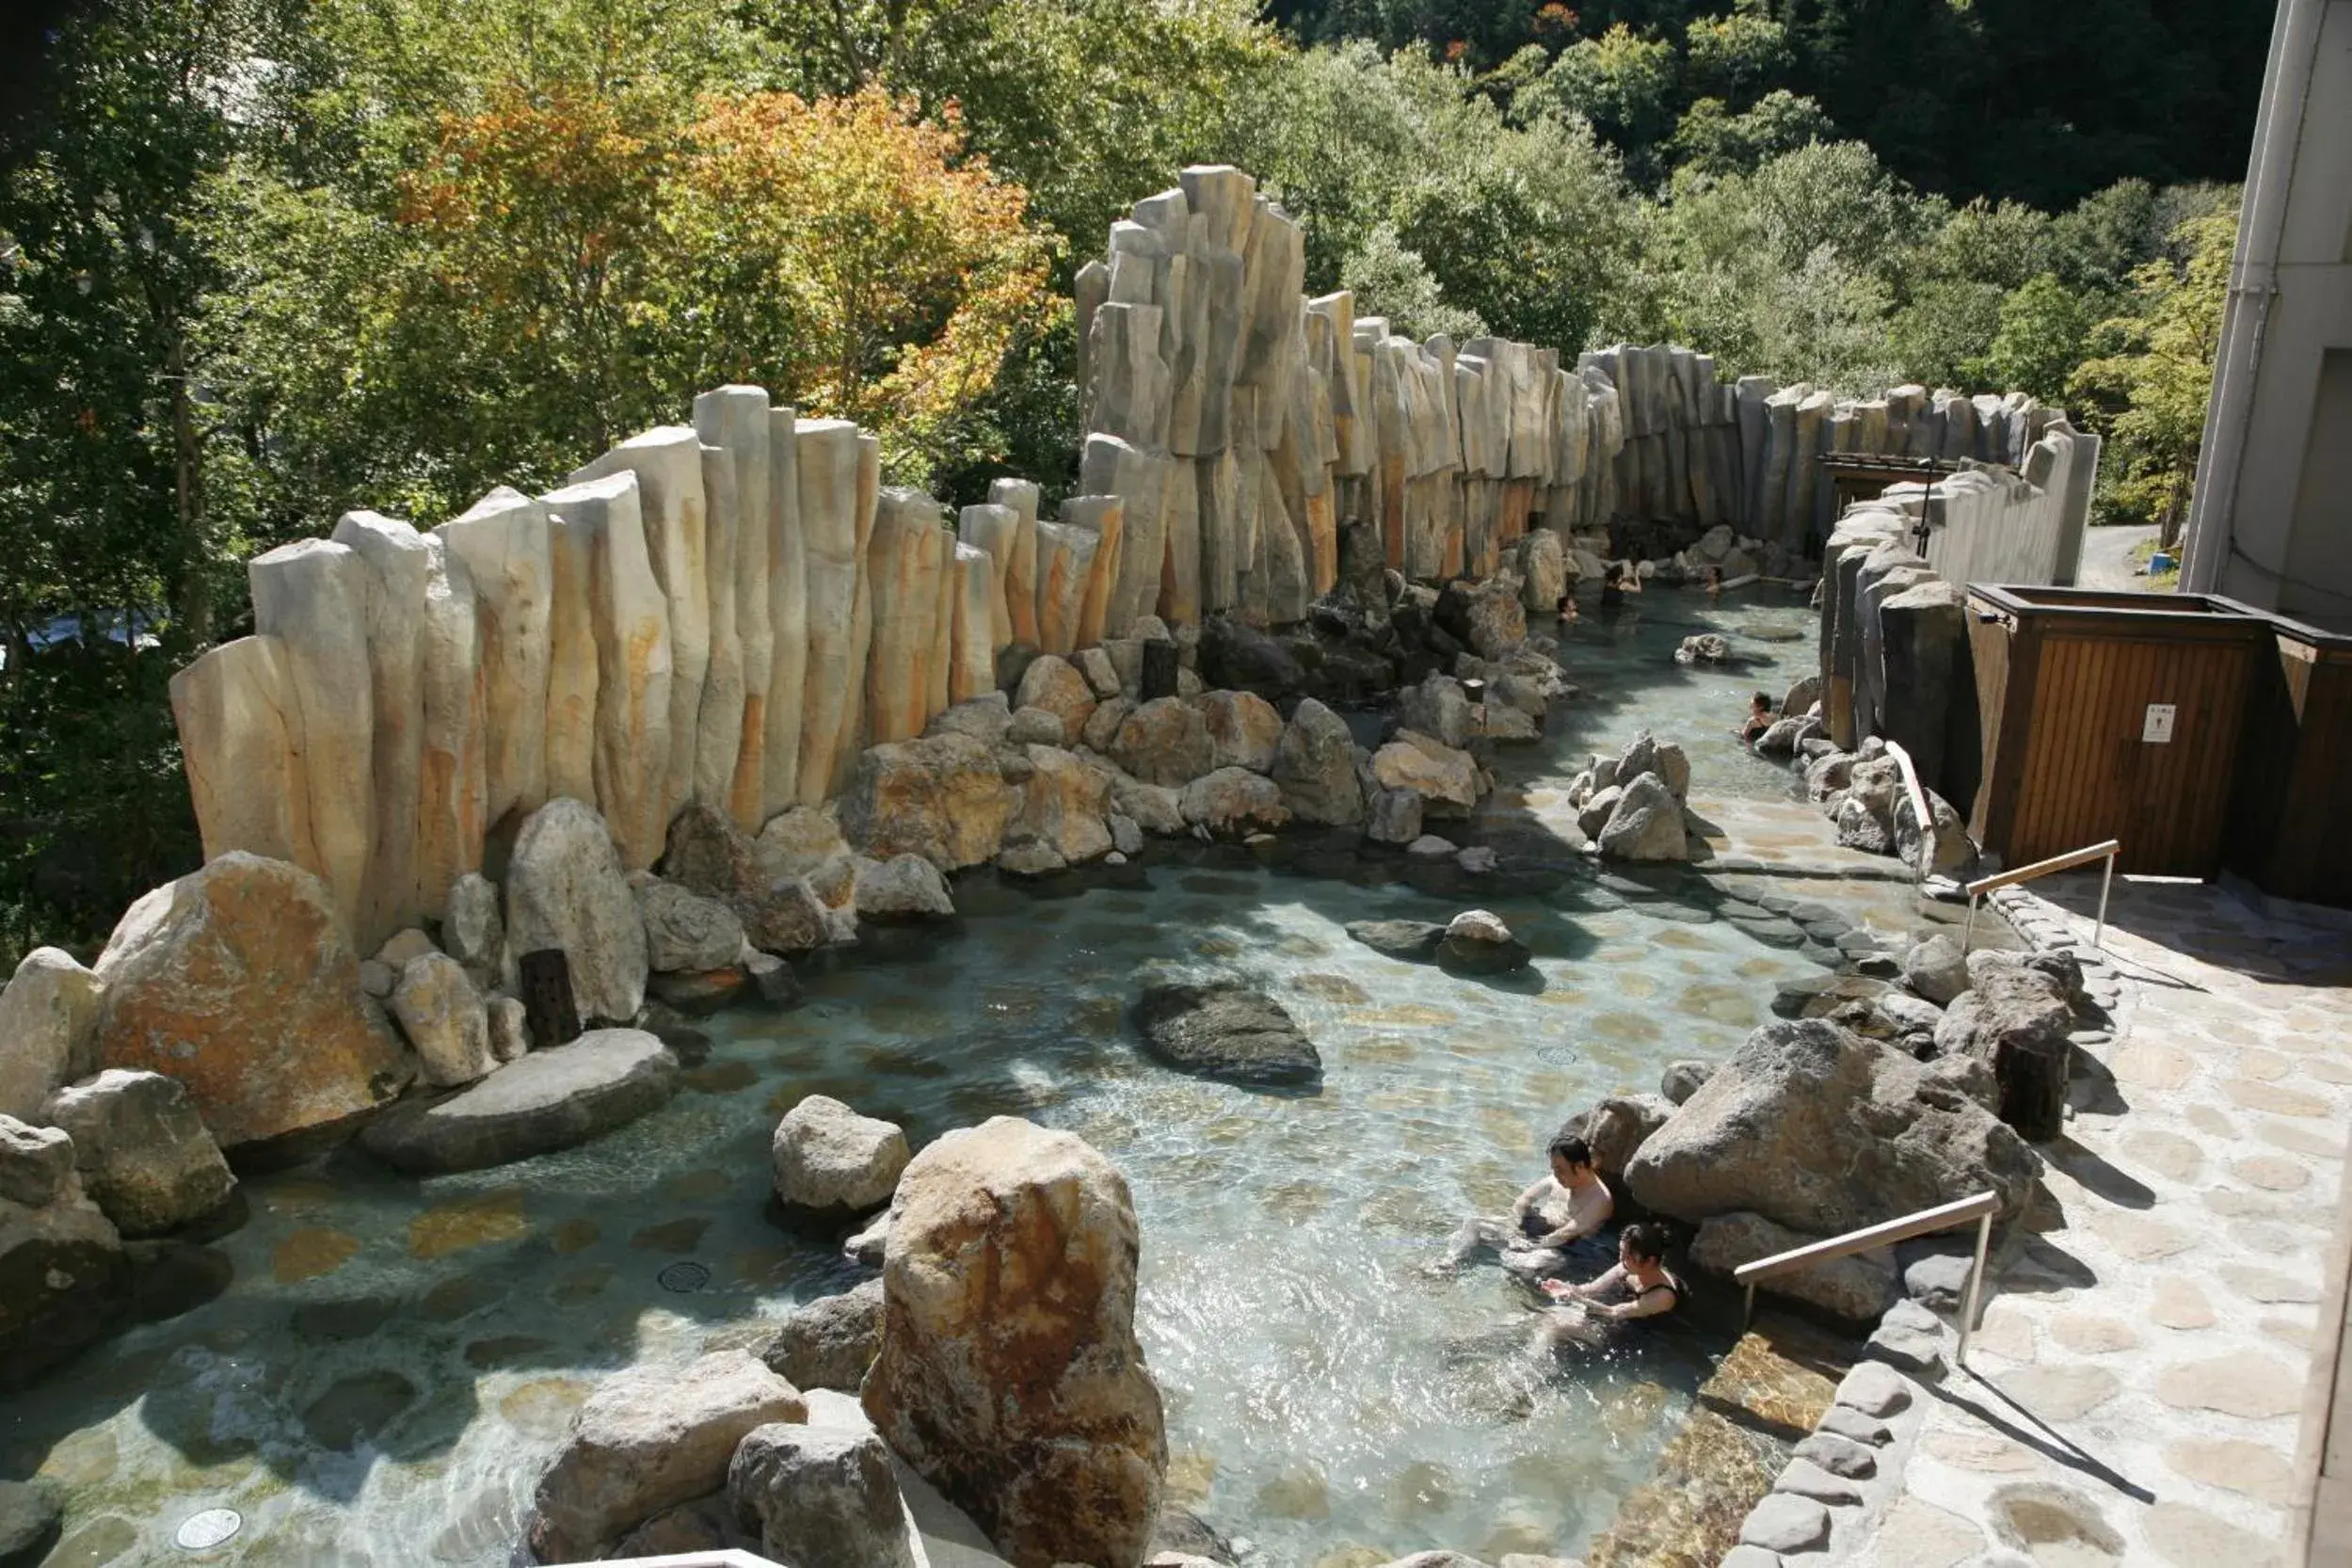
[{"x": 548, "y": 1009}]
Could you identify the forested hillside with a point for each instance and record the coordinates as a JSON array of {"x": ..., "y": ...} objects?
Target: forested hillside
[{"x": 264, "y": 261}]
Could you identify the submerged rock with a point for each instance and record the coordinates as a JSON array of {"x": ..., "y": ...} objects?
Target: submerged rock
[
  {"x": 548, "y": 1099},
  {"x": 1010, "y": 1377},
  {"x": 1228, "y": 1030},
  {"x": 1415, "y": 941}
]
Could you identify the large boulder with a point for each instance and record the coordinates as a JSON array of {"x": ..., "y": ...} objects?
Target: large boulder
[
  {"x": 1225, "y": 1030},
  {"x": 1010, "y": 1377},
  {"x": 943, "y": 797},
  {"x": 1153, "y": 807},
  {"x": 1231, "y": 802},
  {"x": 1542, "y": 563},
  {"x": 1617, "y": 1127},
  {"x": 831, "y": 1341},
  {"x": 473, "y": 931},
  {"x": 1856, "y": 1288},
  {"x": 239, "y": 981},
  {"x": 544, "y": 1101},
  {"x": 1393, "y": 816},
  {"x": 1487, "y": 616},
  {"x": 648, "y": 1439},
  {"x": 445, "y": 1019},
  {"x": 1936, "y": 970},
  {"x": 826, "y": 1495},
  {"x": 1645, "y": 824},
  {"x": 1064, "y": 804},
  {"x": 1950, "y": 852},
  {"x": 686, "y": 931},
  {"x": 1823, "y": 1131},
  {"x": 903, "y": 888},
  {"x": 1243, "y": 729},
  {"x": 831, "y": 1162},
  {"x": 565, "y": 890},
  {"x": 1314, "y": 767},
  {"x": 1241, "y": 658},
  {"x": 64, "y": 1282},
  {"x": 805, "y": 844},
  {"x": 1165, "y": 742},
  {"x": 141, "y": 1149},
  {"x": 48, "y": 1030},
  {"x": 1052, "y": 683},
  {"x": 1438, "y": 708},
  {"x": 1447, "y": 779},
  {"x": 2012, "y": 1004}
]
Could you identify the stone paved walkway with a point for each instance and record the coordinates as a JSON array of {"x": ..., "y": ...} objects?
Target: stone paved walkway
[{"x": 2138, "y": 1379}]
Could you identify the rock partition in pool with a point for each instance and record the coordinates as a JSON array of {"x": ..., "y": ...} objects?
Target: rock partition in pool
[{"x": 396, "y": 1359}]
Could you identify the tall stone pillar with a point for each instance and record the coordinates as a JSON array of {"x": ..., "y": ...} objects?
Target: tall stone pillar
[
  {"x": 241, "y": 745},
  {"x": 502, "y": 540},
  {"x": 311, "y": 597},
  {"x": 396, "y": 571}
]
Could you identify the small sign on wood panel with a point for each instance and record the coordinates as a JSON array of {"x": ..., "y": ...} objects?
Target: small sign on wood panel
[{"x": 2156, "y": 729}]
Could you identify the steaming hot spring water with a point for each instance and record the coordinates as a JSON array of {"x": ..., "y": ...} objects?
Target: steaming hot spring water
[{"x": 396, "y": 1360}]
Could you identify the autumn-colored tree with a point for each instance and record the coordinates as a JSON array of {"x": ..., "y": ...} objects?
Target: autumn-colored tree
[{"x": 869, "y": 267}]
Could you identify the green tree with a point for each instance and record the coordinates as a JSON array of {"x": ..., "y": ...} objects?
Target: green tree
[
  {"x": 1710, "y": 139},
  {"x": 2146, "y": 387},
  {"x": 2044, "y": 326},
  {"x": 1734, "y": 56},
  {"x": 1622, "y": 82},
  {"x": 1390, "y": 279}
]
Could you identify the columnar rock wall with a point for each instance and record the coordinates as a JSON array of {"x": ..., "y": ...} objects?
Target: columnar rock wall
[
  {"x": 725, "y": 613},
  {"x": 1242, "y": 422},
  {"x": 1894, "y": 652}
]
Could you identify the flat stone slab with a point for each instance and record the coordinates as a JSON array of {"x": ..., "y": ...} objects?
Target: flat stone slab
[
  {"x": 1415, "y": 941},
  {"x": 547, "y": 1100}
]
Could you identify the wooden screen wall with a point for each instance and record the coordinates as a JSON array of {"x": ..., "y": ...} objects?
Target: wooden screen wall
[
  {"x": 2087, "y": 775},
  {"x": 2287, "y": 836}
]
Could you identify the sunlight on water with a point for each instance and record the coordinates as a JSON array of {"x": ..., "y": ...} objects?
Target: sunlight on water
[{"x": 397, "y": 1360}]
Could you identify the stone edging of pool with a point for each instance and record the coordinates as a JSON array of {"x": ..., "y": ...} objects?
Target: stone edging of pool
[{"x": 1841, "y": 1482}]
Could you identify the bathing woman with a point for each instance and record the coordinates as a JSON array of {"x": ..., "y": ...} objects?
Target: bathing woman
[
  {"x": 1571, "y": 1202},
  {"x": 1640, "y": 1279}
]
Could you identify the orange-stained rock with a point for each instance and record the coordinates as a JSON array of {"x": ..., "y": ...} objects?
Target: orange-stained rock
[
  {"x": 238, "y": 981},
  {"x": 1010, "y": 1376},
  {"x": 943, "y": 797}
]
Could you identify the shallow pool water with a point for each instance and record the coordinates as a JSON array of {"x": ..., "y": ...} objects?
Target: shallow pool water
[{"x": 395, "y": 1360}]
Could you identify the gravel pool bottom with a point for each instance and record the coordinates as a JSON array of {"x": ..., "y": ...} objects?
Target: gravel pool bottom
[{"x": 395, "y": 1361}]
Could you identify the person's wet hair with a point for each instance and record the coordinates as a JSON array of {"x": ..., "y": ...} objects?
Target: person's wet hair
[
  {"x": 1573, "y": 1149},
  {"x": 1761, "y": 699},
  {"x": 1644, "y": 1240}
]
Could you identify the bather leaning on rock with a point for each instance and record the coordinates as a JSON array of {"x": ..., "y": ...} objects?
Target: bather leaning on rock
[{"x": 1544, "y": 1220}]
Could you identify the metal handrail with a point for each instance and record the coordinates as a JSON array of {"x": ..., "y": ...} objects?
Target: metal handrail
[
  {"x": 1980, "y": 1208},
  {"x": 2109, "y": 850}
]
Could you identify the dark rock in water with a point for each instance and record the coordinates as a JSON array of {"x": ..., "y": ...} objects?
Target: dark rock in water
[
  {"x": 773, "y": 982},
  {"x": 1478, "y": 942},
  {"x": 1240, "y": 658},
  {"x": 171, "y": 1277},
  {"x": 1771, "y": 933},
  {"x": 697, "y": 993},
  {"x": 1415, "y": 941},
  {"x": 30, "y": 1514},
  {"x": 64, "y": 1283},
  {"x": 1818, "y": 995},
  {"x": 1186, "y": 1535},
  {"x": 829, "y": 1342},
  {"x": 691, "y": 1046},
  {"x": 355, "y": 1407},
  {"x": 1225, "y": 1030},
  {"x": 550, "y": 1099},
  {"x": 1877, "y": 965}
]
